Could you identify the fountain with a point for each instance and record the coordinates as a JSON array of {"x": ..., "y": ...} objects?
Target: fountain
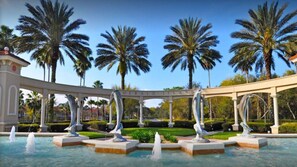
[
  {"x": 246, "y": 139},
  {"x": 156, "y": 153},
  {"x": 200, "y": 145},
  {"x": 30, "y": 147},
  {"x": 12, "y": 135},
  {"x": 72, "y": 138}
]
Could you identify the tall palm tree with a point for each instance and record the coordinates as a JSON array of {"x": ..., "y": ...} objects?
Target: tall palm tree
[
  {"x": 243, "y": 60},
  {"x": 267, "y": 33},
  {"x": 190, "y": 44},
  {"x": 6, "y": 38},
  {"x": 81, "y": 68},
  {"x": 49, "y": 31},
  {"x": 124, "y": 48},
  {"x": 98, "y": 84},
  {"x": 103, "y": 103}
]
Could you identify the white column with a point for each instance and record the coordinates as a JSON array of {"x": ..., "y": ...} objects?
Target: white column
[
  {"x": 43, "y": 127},
  {"x": 170, "y": 124},
  {"x": 235, "y": 126},
  {"x": 140, "y": 123},
  {"x": 202, "y": 113},
  {"x": 275, "y": 127},
  {"x": 110, "y": 115}
]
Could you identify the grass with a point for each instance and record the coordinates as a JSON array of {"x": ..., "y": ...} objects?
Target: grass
[
  {"x": 92, "y": 135},
  {"x": 222, "y": 135},
  {"x": 162, "y": 131}
]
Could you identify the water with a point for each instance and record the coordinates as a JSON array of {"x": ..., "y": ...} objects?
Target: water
[
  {"x": 278, "y": 153},
  {"x": 156, "y": 153},
  {"x": 30, "y": 146},
  {"x": 12, "y": 135}
]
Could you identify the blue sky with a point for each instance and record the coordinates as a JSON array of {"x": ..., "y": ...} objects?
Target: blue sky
[{"x": 153, "y": 19}]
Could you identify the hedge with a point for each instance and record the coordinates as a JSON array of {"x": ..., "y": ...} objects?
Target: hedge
[
  {"x": 158, "y": 124},
  {"x": 28, "y": 127},
  {"x": 288, "y": 128},
  {"x": 98, "y": 125}
]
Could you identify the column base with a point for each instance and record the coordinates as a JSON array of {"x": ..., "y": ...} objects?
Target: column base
[
  {"x": 274, "y": 129},
  {"x": 170, "y": 124},
  {"x": 235, "y": 127},
  {"x": 79, "y": 127},
  {"x": 110, "y": 125},
  {"x": 43, "y": 128},
  {"x": 141, "y": 125}
]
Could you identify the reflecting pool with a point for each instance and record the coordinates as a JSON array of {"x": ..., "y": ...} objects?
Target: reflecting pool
[{"x": 278, "y": 153}]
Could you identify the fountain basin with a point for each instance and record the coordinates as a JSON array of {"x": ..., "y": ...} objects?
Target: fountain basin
[
  {"x": 62, "y": 141},
  {"x": 249, "y": 142},
  {"x": 108, "y": 146},
  {"x": 164, "y": 146},
  {"x": 194, "y": 148}
]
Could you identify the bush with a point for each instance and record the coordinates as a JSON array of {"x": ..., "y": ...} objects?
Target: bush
[
  {"x": 184, "y": 124},
  {"x": 213, "y": 125},
  {"x": 57, "y": 127},
  {"x": 130, "y": 123},
  {"x": 260, "y": 127},
  {"x": 98, "y": 125},
  {"x": 143, "y": 136},
  {"x": 288, "y": 128},
  {"x": 28, "y": 127},
  {"x": 170, "y": 138},
  {"x": 226, "y": 126},
  {"x": 156, "y": 124}
]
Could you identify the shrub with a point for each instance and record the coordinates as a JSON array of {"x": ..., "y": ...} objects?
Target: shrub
[
  {"x": 170, "y": 138},
  {"x": 184, "y": 124},
  {"x": 213, "y": 125},
  {"x": 226, "y": 126},
  {"x": 130, "y": 123},
  {"x": 28, "y": 127},
  {"x": 288, "y": 128},
  {"x": 57, "y": 127},
  {"x": 156, "y": 124},
  {"x": 143, "y": 136},
  {"x": 98, "y": 125},
  {"x": 260, "y": 127}
]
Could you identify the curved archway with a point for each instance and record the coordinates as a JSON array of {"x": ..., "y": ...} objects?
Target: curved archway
[{"x": 12, "y": 100}]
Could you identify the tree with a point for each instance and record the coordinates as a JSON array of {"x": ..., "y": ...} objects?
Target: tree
[
  {"x": 33, "y": 102},
  {"x": 124, "y": 48},
  {"x": 6, "y": 38},
  {"x": 268, "y": 33},
  {"x": 49, "y": 31},
  {"x": 91, "y": 103},
  {"x": 243, "y": 60},
  {"x": 190, "y": 44},
  {"x": 98, "y": 84},
  {"x": 103, "y": 103}
]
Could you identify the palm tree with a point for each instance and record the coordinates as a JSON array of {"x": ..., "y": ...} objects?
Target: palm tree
[
  {"x": 81, "y": 68},
  {"x": 269, "y": 31},
  {"x": 91, "y": 102},
  {"x": 33, "y": 102},
  {"x": 124, "y": 48},
  {"x": 6, "y": 38},
  {"x": 243, "y": 60},
  {"x": 49, "y": 31},
  {"x": 103, "y": 103},
  {"x": 98, "y": 84},
  {"x": 191, "y": 43}
]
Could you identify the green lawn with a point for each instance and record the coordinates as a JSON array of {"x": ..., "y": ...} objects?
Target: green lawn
[
  {"x": 162, "y": 131},
  {"x": 92, "y": 135},
  {"x": 222, "y": 135}
]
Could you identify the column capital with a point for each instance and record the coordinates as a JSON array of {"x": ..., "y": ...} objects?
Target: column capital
[
  {"x": 274, "y": 95},
  {"x": 44, "y": 93},
  {"x": 234, "y": 98}
]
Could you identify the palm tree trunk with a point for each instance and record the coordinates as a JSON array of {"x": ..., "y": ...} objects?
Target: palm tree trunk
[
  {"x": 209, "y": 85},
  {"x": 247, "y": 76},
  {"x": 52, "y": 96},
  {"x": 190, "y": 68},
  {"x": 123, "y": 88},
  {"x": 43, "y": 73},
  {"x": 267, "y": 58}
]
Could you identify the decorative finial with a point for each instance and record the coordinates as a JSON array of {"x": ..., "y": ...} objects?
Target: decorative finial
[{"x": 6, "y": 50}]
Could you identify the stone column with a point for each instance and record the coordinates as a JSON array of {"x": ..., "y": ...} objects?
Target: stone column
[
  {"x": 140, "y": 123},
  {"x": 202, "y": 113},
  {"x": 79, "y": 109},
  {"x": 171, "y": 123},
  {"x": 110, "y": 124},
  {"x": 43, "y": 127},
  {"x": 235, "y": 126},
  {"x": 10, "y": 70},
  {"x": 275, "y": 127}
]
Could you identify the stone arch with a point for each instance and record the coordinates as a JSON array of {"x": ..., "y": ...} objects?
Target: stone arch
[{"x": 12, "y": 100}]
